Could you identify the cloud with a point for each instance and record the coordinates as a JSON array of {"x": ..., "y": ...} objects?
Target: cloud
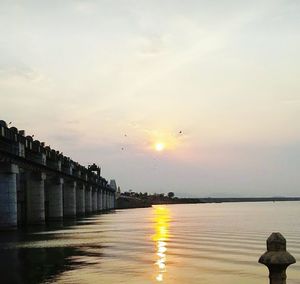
[
  {"x": 224, "y": 72},
  {"x": 20, "y": 72},
  {"x": 85, "y": 7},
  {"x": 69, "y": 138},
  {"x": 152, "y": 45}
]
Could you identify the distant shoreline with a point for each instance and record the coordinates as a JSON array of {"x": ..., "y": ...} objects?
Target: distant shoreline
[{"x": 125, "y": 202}]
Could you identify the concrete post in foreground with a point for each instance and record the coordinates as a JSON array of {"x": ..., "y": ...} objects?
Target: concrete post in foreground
[
  {"x": 8, "y": 195},
  {"x": 70, "y": 199},
  {"x": 276, "y": 258}
]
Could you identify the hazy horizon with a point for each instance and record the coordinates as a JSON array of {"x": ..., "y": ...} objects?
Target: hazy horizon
[{"x": 216, "y": 83}]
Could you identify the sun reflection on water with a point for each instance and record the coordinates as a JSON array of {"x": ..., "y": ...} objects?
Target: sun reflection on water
[{"x": 161, "y": 236}]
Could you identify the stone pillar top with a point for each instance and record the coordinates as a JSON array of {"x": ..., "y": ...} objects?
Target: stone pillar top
[
  {"x": 38, "y": 175},
  {"x": 9, "y": 168},
  {"x": 57, "y": 180},
  {"x": 113, "y": 184},
  {"x": 70, "y": 182},
  {"x": 276, "y": 242},
  {"x": 276, "y": 253}
]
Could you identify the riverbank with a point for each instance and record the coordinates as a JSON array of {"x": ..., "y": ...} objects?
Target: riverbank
[{"x": 126, "y": 202}]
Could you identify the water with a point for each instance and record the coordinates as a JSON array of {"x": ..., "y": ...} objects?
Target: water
[{"x": 200, "y": 243}]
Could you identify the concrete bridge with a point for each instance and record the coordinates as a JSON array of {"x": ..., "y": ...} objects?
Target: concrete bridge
[{"x": 38, "y": 183}]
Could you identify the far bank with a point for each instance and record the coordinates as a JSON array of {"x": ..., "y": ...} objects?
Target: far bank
[{"x": 127, "y": 202}]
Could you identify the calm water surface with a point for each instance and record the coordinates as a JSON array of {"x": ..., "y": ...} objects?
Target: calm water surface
[{"x": 201, "y": 243}]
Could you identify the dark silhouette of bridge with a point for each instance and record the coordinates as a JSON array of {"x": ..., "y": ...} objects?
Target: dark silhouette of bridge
[{"x": 38, "y": 183}]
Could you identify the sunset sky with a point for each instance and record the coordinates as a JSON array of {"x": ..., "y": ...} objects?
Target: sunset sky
[{"x": 215, "y": 83}]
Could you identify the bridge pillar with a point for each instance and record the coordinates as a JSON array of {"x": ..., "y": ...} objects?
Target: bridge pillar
[
  {"x": 88, "y": 199},
  {"x": 99, "y": 198},
  {"x": 80, "y": 200},
  {"x": 55, "y": 198},
  {"x": 35, "y": 195},
  {"x": 8, "y": 195},
  {"x": 95, "y": 200},
  {"x": 114, "y": 200},
  {"x": 107, "y": 200},
  {"x": 103, "y": 199},
  {"x": 111, "y": 200},
  {"x": 69, "y": 198}
]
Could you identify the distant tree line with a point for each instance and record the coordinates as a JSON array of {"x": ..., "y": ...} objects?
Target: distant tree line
[
  {"x": 131, "y": 199},
  {"x": 151, "y": 197}
]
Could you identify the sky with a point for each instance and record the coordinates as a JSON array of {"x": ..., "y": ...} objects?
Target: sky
[{"x": 215, "y": 82}]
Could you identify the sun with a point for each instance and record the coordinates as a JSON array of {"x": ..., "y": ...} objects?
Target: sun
[{"x": 159, "y": 146}]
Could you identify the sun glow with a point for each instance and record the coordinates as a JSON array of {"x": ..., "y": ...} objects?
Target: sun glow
[
  {"x": 160, "y": 146},
  {"x": 161, "y": 141}
]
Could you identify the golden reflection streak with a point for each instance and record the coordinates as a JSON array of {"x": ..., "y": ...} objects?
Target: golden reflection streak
[{"x": 161, "y": 227}]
